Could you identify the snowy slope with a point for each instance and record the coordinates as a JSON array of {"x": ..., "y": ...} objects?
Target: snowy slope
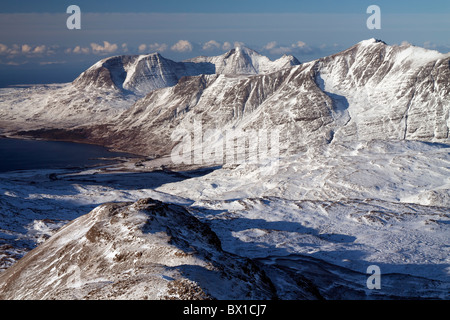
[
  {"x": 137, "y": 74},
  {"x": 34, "y": 206},
  {"x": 369, "y": 91},
  {"x": 333, "y": 242},
  {"x": 382, "y": 202},
  {"x": 400, "y": 171},
  {"x": 57, "y": 106}
]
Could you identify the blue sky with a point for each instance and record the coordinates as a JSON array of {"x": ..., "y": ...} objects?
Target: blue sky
[
  {"x": 229, "y": 6},
  {"x": 36, "y": 46}
]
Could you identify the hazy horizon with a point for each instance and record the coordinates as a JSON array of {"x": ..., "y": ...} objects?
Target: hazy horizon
[{"x": 36, "y": 45}]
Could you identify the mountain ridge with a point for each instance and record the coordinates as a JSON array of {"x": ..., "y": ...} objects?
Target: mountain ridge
[
  {"x": 141, "y": 74},
  {"x": 370, "y": 90}
]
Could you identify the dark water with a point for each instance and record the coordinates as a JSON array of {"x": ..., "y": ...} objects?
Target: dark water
[{"x": 31, "y": 154}]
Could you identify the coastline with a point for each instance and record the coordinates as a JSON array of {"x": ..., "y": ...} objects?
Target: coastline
[{"x": 106, "y": 157}]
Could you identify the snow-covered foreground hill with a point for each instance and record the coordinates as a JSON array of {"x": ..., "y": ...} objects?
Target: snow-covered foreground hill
[{"x": 142, "y": 250}]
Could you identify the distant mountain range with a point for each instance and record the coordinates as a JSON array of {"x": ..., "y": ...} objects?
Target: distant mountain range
[{"x": 135, "y": 103}]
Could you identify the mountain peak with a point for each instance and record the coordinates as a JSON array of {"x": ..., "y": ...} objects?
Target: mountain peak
[
  {"x": 152, "y": 54},
  {"x": 371, "y": 41},
  {"x": 243, "y": 49},
  {"x": 243, "y": 60},
  {"x": 417, "y": 56}
]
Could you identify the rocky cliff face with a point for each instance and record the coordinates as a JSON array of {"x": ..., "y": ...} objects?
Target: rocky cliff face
[
  {"x": 389, "y": 92},
  {"x": 142, "y": 250}
]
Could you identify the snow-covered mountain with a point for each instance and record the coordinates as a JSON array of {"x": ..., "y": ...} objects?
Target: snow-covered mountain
[
  {"x": 361, "y": 178},
  {"x": 141, "y": 74},
  {"x": 389, "y": 92},
  {"x": 313, "y": 228},
  {"x": 138, "y": 74},
  {"x": 113, "y": 84},
  {"x": 369, "y": 91}
]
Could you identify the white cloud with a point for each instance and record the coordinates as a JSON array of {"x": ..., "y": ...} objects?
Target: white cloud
[
  {"x": 153, "y": 47},
  {"x": 297, "y": 47},
  {"x": 281, "y": 50},
  {"x": 142, "y": 47},
  {"x": 157, "y": 47},
  {"x": 3, "y": 48},
  {"x": 79, "y": 49},
  {"x": 182, "y": 46},
  {"x": 40, "y": 49},
  {"x": 105, "y": 49},
  {"x": 299, "y": 44},
  {"x": 426, "y": 45},
  {"x": 14, "y": 63},
  {"x": 405, "y": 43},
  {"x": 53, "y": 49},
  {"x": 46, "y": 63},
  {"x": 16, "y": 49},
  {"x": 23, "y": 49},
  {"x": 26, "y": 48},
  {"x": 433, "y": 46},
  {"x": 270, "y": 45},
  {"x": 211, "y": 45},
  {"x": 124, "y": 47},
  {"x": 226, "y": 46},
  {"x": 301, "y": 47}
]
